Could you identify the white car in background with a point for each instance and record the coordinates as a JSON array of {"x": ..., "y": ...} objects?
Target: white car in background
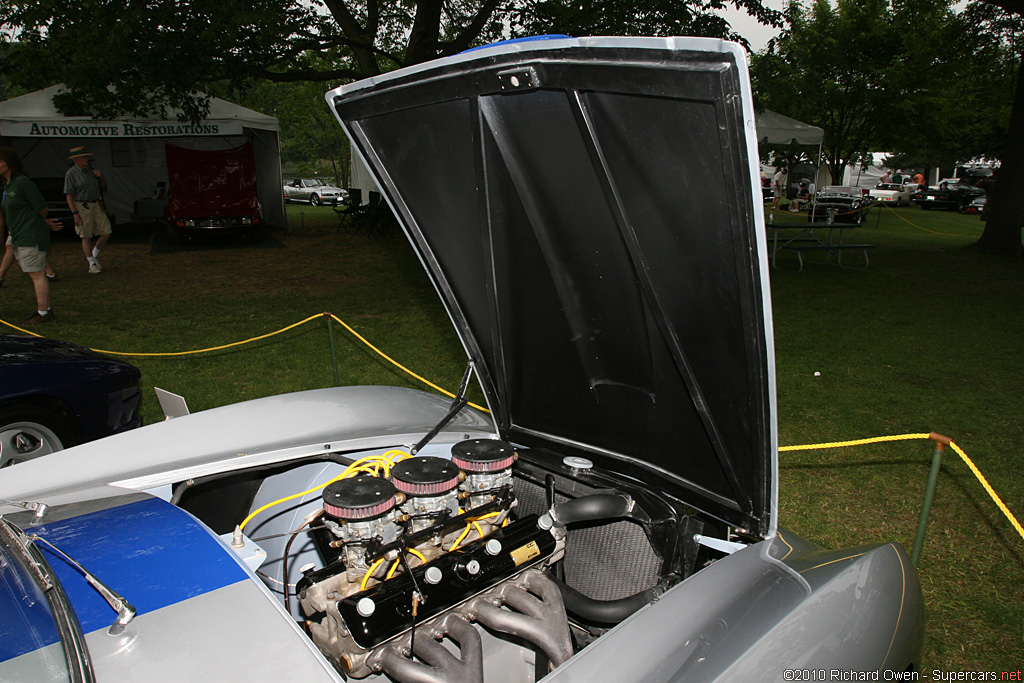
[
  {"x": 314, "y": 191},
  {"x": 892, "y": 193}
]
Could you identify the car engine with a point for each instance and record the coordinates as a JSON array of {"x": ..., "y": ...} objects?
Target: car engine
[{"x": 459, "y": 568}]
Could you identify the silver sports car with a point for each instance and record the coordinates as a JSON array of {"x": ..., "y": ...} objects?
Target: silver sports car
[{"x": 589, "y": 212}]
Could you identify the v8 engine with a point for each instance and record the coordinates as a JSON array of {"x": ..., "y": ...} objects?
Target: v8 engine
[{"x": 418, "y": 556}]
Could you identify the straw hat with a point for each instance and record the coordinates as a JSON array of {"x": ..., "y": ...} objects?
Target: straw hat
[{"x": 79, "y": 152}]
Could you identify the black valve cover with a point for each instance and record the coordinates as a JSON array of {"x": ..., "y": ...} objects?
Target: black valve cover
[{"x": 522, "y": 546}]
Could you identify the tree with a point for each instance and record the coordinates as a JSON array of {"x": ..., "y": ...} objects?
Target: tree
[
  {"x": 956, "y": 102},
  {"x": 310, "y": 135},
  {"x": 833, "y": 67},
  {"x": 141, "y": 56},
  {"x": 1002, "y": 234}
]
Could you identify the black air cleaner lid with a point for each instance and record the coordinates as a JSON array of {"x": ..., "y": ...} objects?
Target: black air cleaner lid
[
  {"x": 425, "y": 476},
  {"x": 359, "y": 498},
  {"x": 483, "y": 455}
]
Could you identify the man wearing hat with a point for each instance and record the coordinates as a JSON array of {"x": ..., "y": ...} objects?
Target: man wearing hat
[{"x": 83, "y": 188}]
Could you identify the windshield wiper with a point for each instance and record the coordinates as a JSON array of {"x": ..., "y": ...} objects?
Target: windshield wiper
[
  {"x": 39, "y": 508},
  {"x": 125, "y": 610}
]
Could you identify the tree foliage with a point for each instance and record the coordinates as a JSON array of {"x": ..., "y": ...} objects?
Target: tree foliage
[
  {"x": 915, "y": 77},
  {"x": 140, "y": 57},
  {"x": 836, "y": 68}
]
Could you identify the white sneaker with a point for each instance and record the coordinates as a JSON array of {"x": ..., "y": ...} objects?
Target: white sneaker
[{"x": 95, "y": 268}]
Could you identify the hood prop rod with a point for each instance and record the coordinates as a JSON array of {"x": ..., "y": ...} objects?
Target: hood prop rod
[{"x": 457, "y": 405}]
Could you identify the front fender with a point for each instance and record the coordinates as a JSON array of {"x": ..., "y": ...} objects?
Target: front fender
[
  {"x": 251, "y": 433},
  {"x": 769, "y": 608}
]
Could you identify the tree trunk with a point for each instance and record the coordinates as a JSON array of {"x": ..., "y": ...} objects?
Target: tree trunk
[{"x": 1006, "y": 212}]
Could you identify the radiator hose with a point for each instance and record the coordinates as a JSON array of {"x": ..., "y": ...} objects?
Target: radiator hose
[
  {"x": 604, "y": 612},
  {"x": 590, "y": 508}
]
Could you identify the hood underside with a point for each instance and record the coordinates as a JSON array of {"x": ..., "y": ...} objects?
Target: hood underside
[{"x": 586, "y": 209}]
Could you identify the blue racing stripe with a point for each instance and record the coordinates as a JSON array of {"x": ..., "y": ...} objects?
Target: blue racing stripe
[
  {"x": 26, "y": 622},
  {"x": 149, "y": 551}
]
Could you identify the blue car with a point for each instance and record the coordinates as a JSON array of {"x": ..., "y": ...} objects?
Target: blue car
[{"x": 54, "y": 395}]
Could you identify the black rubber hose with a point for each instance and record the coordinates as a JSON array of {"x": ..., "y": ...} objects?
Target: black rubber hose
[
  {"x": 602, "y": 611},
  {"x": 591, "y": 508}
]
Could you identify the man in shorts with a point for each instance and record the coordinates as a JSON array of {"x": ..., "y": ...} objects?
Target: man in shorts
[{"x": 83, "y": 188}]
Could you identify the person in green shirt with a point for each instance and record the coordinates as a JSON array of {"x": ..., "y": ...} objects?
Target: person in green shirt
[{"x": 24, "y": 216}]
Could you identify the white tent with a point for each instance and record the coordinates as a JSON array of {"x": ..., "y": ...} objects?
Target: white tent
[
  {"x": 775, "y": 129},
  {"x": 130, "y": 151}
]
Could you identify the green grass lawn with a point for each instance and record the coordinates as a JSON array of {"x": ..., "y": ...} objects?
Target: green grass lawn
[{"x": 928, "y": 338}]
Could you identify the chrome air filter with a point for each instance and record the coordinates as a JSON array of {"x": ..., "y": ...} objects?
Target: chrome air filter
[
  {"x": 483, "y": 455},
  {"x": 358, "y": 498},
  {"x": 488, "y": 466},
  {"x": 425, "y": 476},
  {"x": 431, "y": 488}
]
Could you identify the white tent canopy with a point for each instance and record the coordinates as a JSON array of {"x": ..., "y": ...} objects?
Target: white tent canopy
[
  {"x": 775, "y": 129},
  {"x": 130, "y": 150}
]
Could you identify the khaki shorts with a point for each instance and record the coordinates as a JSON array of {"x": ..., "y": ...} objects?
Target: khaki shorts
[
  {"x": 94, "y": 220},
  {"x": 30, "y": 259}
]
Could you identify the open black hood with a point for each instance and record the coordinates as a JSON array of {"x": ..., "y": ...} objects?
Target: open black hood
[{"x": 589, "y": 209}]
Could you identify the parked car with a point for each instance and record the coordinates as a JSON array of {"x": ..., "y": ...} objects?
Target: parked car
[
  {"x": 612, "y": 517},
  {"x": 314, "y": 191},
  {"x": 950, "y": 196},
  {"x": 840, "y": 203},
  {"x": 54, "y": 395},
  {"x": 891, "y": 193},
  {"x": 212, "y": 192},
  {"x": 976, "y": 206}
]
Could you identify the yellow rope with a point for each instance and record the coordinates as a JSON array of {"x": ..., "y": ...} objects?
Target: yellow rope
[
  {"x": 212, "y": 348},
  {"x": 399, "y": 365},
  {"x": 855, "y": 442},
  {"x": 271, "y": 334},
  {"x": 988, "y": 488},
  {"x": 906, "y": 437},
  {"x": 19, "y": 329},
  {"x": 948, "y": 234}
]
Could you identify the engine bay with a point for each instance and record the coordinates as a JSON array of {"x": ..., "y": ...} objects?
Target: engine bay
[{"x": 469, "y": 561}]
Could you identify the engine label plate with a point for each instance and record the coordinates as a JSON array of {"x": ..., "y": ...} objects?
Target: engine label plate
[{"x": 525, "y": 553}]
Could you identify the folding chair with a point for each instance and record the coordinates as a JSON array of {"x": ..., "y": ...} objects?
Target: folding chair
[{"x": 348, "y": 212}]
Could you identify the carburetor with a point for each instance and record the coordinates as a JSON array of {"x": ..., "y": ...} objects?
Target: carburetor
[{"x": 357, "y": 511}]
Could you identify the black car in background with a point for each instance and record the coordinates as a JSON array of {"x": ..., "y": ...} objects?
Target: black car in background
[
  {"x": 54, "y": 395},
  {"x": 841, "y": 204},
  {"x": 956, "y": 196}
]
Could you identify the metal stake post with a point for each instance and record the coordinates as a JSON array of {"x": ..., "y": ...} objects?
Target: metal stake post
[
  {"x": 334, "y": 355},
  {"x": 929, "y": 493}
]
